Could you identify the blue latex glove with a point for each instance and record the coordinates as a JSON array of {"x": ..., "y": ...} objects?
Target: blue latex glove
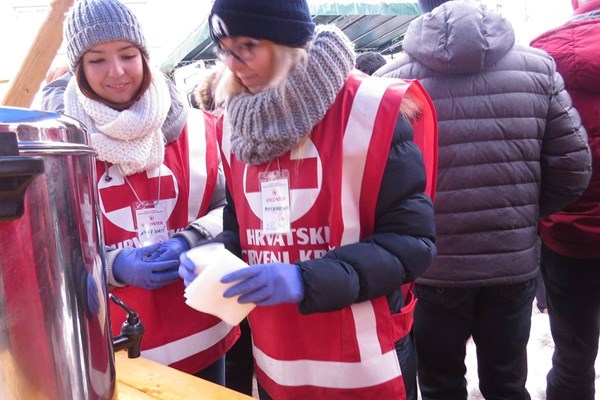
[
  {"x": 93, "y": 302},
  {"x": 133, "y": 267},
  {"x": 186, "y": 269},
  {"x": 170, "y": 249},
  {"x": 266, "y": 284}
]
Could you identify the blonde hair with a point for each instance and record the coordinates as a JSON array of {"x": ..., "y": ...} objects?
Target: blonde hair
[{"x": 291, "y": 57}]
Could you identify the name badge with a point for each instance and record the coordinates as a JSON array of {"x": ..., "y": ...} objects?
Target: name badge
[
  {"x": 151, "y": 219},
  {"x": 275, "y": 194}
]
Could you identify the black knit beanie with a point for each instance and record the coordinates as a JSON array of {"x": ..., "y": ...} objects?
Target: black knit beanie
[
  {"x": 286, "y": 22},
  {"x": 428, "y": 5}
]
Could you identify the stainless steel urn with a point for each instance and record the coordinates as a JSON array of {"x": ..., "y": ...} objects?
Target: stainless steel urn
[{"x": 55, "y": 339}]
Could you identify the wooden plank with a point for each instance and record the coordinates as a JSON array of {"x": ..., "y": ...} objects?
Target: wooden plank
[
  {"x": 14, "y": 385},
  {"x": 23, "y": 88},
  {"x": 164, "y": 383}
]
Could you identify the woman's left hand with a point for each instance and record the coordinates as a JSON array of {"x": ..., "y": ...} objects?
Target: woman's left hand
[{"x": 170, "y": 249}]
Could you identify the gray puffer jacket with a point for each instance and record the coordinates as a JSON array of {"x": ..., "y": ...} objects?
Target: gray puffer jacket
[{"x": 511, "y": 146}]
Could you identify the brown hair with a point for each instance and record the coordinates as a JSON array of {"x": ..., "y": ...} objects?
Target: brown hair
[
  {"x": 86, "y": 89},
  {"x": 411, "y": 107}
]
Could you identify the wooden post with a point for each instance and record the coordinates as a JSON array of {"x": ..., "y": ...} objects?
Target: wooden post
[{"x": 23, "y": 88}]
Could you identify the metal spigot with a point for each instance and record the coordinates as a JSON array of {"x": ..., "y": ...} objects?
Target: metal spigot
[{"x": 132, "y": 331}]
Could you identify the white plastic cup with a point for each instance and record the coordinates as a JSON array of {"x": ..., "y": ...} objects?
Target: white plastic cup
[
  {"x": 203, "y": 256},
  {"x": 205, "y": 293}
]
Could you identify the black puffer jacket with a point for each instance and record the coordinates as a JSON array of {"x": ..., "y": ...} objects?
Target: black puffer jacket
[
  {"x": 511, "y": 147},
  {"x": 400, "y": 249}
]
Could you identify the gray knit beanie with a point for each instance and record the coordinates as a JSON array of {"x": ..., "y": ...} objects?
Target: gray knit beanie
[
  {"x": 369, "y": 62},
  {"x": 91, "y": 22}
]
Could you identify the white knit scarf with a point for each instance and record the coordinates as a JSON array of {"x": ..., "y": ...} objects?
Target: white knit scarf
[
  {"x": 131, "y": 138},
  {"x": 268, "y": 124}
]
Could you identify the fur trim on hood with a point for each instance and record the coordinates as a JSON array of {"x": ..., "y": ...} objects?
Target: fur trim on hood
[{"x": 203, "y": 95}]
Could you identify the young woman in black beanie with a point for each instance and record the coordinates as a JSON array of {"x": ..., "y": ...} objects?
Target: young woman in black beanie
[{"x": 327, "y": 203}]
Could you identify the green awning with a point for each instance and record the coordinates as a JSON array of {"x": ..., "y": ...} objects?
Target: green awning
[{"x": 371, "y": 25}]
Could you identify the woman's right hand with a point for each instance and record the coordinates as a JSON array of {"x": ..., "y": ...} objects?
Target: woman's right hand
[{"x": 134, "y": 267}]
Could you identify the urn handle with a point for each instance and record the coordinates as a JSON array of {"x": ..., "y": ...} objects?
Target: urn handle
[{"x": 16, "y": 173}]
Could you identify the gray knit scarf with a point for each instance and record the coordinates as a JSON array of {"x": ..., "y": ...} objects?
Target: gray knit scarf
[{"x": 268, "y": 124}]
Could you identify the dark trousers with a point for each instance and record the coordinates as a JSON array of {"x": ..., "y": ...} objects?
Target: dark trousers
[
  {"x": 499, "y": 320},
  {"x": 215, "y": 372},
  {"x": 540, "y": 294},
  {"x": 239, "y": 364},
  {"x": 573, "y": 292}
]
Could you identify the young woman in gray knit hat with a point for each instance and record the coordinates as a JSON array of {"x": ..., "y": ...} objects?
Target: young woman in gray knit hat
[
  {"x": 328, "y": 203},
  {"x": 161, "y": 190}
]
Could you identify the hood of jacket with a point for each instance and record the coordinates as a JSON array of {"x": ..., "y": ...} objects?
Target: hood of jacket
[
  {"x": 459, "y": 37},
  {"x": 575, "y": 48},
  {"x": 592, "y": 5}
]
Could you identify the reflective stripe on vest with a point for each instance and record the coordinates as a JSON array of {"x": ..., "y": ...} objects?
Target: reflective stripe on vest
[
  {"x": 197, "y": 154},
  {"x": 188, "y": 346}
]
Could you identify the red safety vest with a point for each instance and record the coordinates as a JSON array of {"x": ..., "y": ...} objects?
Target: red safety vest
[
  {"x": 176, "y": 334},
  {"x": 335, "y": 175}
]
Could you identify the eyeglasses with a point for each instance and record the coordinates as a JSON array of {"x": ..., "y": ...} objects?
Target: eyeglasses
[{"x": 242, "y": 52}]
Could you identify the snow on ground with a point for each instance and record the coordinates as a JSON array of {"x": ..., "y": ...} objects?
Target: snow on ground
[{"x": 539, "y": 354}]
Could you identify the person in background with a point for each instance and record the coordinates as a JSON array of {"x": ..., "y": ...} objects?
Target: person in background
[
  {"x": 511, "y": 149},
  {"x": 161, "y": 187},
  {"x": 540, "y": 295},
  {"x": 203, "y": 94},
  {"x": 56, "y": 82},
  {"x": 56, "y": 72},
  {"x": 570, "y": 260},
  {"x": 327, "y": 205},
  {"x": 369, "y": 62}
]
